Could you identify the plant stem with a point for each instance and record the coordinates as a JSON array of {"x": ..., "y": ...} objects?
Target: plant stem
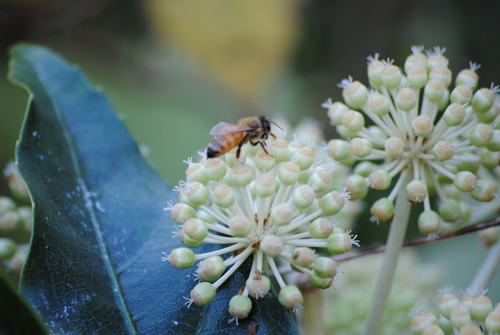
[
  {"x": 394, "y": 245},
  {"x": 487, "y": 269},
  {"x": 313, "y": 321}
]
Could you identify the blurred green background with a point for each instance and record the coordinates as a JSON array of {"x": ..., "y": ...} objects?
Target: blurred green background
[{"x": 173, "y": 69}]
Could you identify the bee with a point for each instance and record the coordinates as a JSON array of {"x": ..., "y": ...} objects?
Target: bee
[{"x": 231, "y": 135}]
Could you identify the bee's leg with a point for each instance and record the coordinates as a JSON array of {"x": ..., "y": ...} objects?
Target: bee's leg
[
  {"x": 243, "y": 141},
  {"x": 262, "y": 145}
]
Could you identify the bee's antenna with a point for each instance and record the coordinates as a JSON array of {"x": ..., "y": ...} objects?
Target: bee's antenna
[{"x": 277, "y": 125}]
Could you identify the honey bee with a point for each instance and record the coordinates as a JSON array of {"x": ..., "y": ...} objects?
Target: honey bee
[{"x": 231, "y": 135}]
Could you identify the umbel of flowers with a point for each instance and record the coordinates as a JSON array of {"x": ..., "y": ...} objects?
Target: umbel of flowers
[
  {"x": 268, "y": 208},
  {"x": 415, "y": 123},
  {"x": 473, "y": 313}
]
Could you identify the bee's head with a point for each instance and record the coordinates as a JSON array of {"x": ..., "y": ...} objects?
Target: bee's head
[{"x": 266, "y": 124}]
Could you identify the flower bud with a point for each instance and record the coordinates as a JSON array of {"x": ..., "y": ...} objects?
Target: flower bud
[
  {"x": 417, "y": 77},
  {"x": 379, "y": 104},
  {"x": 195, "y": 228},
  {"x": 223, "y": 196},
  {"x": 282, "y": 214},
  {"x": 443, "y": 150},
  {"x": 303, "y": 256},
  {"x": 454, "y": 115},
  {"x": 321, "y": 227},
  {"x": 461, "y": 94},
  {"x": 480, "y": 308},
  {"x": 383, "y": 209},
  {"x": 181, "y": 258},
  {"x": 482, "y": 100},
  {"x": 303, "y": 196},
  {"x": 240, "y": 306},
  {"x": 356, "y": 185},
  {"x": 417, "y": 191},
  {"x": 429, "y": 222},
  {"x": 355, "y": 94},
  {"x": 271, "y": 245},
  {"x": 182, "y": 212},
  {"x": 203, "y": 293},
  {"x": 215, "y": 168},
  {"x": 465, "y": 181},
  {"x": 336, "y": 111},
  {"x": 258, "y": 286},
  {"x": 331, "y": 203},
  {"x": 459, "y": 316},
  {"x": 480, "y": 134},
  {"x": 394, "y": 147},
  {"x": 422, "y": 126},
  {"x": 484, "y": 191},
  {"x": 290, "y": 296},
  {"x": 360, "y": 147},
  {"x": 240, "y": 225},
  {"x": 380, "y": 179},
  {"x": 391, "y": 76},
  {"x": 196, "y": 193},
  {"x": 434, "y": 90},
  {"x": 211, "y": 269},
  {"x": 338, "y": 149},
  {"x": 406, "y": 99},
  {"x": 279, "y": 149},
  {"x": 288, "y": 172},
  {"x": 353, "y": 120},
  {"x": 325, "y": 267}
]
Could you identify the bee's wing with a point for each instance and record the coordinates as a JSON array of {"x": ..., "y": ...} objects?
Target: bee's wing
[{"x": 223, "y": 128}]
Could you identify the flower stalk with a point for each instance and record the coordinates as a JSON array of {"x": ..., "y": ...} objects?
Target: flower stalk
[{"x": 394, "y": 246}]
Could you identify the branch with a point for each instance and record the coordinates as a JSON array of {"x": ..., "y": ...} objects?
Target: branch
[{"x": 424, "y": 240}]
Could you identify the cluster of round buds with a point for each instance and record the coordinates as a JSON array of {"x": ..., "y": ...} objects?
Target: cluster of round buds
[
  {"x": 472, "y": 314},
  {"x": 14, "y": 219},
  {"x": 268, "y": 208},
  {"x": 420, "y": 128}
]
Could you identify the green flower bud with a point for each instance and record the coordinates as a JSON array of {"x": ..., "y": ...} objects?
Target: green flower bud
[
  {"x": 360, "y": 147},
  {"x": 320, "y": 283},
  {"x": 203, "y": 293},
  {"x": 465, "y": 181},
  {"x": 391, "y": 76},
  {"x": 196, "y": 172},
  {"x": 492, "y": 322},
  {"x": 459, "y": 316},
  {"x": 195, "y": 228},
  {"x": 422, "y": 126},
  {"x": 271, "y": 245},
  {"x": 434, "y": 90},
  {"x": 406, "y": 99},
  {"x": 394, "y": 147},
  {"x": 338, "y": 149},
  {"x": 288, "y": 172},
  {"x": 454, "y": 115},
  {"x": 282, "y": 214},
  {"x": 429, "y": 222},
  {"x": 290, "y": 296},
  {"x": 484, "y": 191},
  {"x": 461, "y": 94},
  {"x": 196, "y": 193},
  {"x": 443, "y": 150},
  {"x": 325, "y": 267},
  {"x": 279, "y": 149},
  {"x": 375, "y": 68},
  {"x": 263, "y": 161},
  {"x": 321, "y": 227},
  {"x": 417, "y": 191},
  {"x": 240, "y": 306},
  {"x": 223, "y": 196},
  {"x": 353, "y": 120},
  {"x": 379, "y": 104},
  {"x": 258, "y": 285},
  {"x": 355, "y": 94},
  {"x": 357, "y": 186},
  {"x": 303, "y": 256},
  {"x": 450, "y": 210},
  {"x": 446, "y": 303},
  {"x": 339, "y": 243},
  {"x": 8, "y": 248},
  {"x": 215, "y": 168},
  {"x": 380, "y": 179},
  {"x": 181, "y": 258},
  {"x": 480, "y": 308},
  {"x": 383, "y": 209},
  {"x": 211, "y": 269},
  {"x": 241, "y": 175},
  {"x": 303, "y": 196},
  {"x": 417, "y": 77},
  {"x": 331, "y": 203},
  {"x": 482, "y": 100},
  {"x": 422, "y": 320},
  {"x": 182, "y": 212},
  {"x": 336, "y": 111},
  {"x": 480, "y": 135},
  {"x": 240, "y": 225}
]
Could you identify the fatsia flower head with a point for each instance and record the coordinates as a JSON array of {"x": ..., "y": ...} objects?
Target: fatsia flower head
[
  {"x": 415, "y": 123},
  {"x": 472, "y": 313},
  {"x": 266, "y": 208}
]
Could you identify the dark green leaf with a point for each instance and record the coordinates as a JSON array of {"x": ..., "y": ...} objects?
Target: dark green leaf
[
  {"x": 16, "y": 317},
  {"x": 99, "y": 230}
]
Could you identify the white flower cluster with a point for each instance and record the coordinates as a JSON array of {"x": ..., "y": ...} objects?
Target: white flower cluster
[
  {"x": 268, "y": 208},
  {"x": 411, "y": 125}
]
